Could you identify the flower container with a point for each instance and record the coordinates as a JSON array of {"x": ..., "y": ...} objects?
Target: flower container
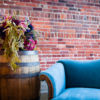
[{"x": 23, "y": 83}]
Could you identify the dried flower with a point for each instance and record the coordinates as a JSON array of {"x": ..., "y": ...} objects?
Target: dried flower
[{"x": 16, "y": 35}]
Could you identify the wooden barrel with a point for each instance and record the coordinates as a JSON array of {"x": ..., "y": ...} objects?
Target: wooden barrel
[{"x": 22, "y": 84}]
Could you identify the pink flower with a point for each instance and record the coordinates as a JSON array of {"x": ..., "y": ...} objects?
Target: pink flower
[
  {"x": 35, "y": 41},
  {"x": 8, "y": 17},
  {"x": 23, "y": 25},
  {"x": 30, "y": 44}
]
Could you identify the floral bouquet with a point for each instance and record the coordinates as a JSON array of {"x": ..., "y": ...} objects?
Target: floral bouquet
[{"x": 16, "y": 35}]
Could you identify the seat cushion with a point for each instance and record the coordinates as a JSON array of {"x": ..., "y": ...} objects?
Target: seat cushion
[
  {"x": 82, "y": 73},
  {"x": 79, "y": 94}
]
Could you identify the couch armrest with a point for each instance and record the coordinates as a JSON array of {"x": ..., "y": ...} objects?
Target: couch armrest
[
  {"x": 50, "y": 87},
  {"x": 55, "y": 78}
]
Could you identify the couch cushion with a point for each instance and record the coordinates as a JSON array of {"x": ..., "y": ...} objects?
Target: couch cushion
[
  {"x": 79, "y": 94},
  {"x": 82, "y": 73}
]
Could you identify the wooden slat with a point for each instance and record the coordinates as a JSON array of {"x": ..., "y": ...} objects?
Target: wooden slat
[
  {"x": 22, "y": 84},
  {"x": 29, "y": 58}
]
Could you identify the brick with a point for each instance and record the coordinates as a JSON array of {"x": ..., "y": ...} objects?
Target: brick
[
  {"x": 63, "y": 1},
  {"x": 9, "y": 2},
  {"x": 69, "y": 46},
  {"x": 69, "y": 29},
  {"x": 89, "y": 58},
  {"x": 1, "y": 2},
  {"x": 93, "y": 32},
  {"x": 63, "y": 16},
  {"x": 25, "y": 0},
  {"x": 69, "y": 5},
  {"x": 37, "y": 9}
]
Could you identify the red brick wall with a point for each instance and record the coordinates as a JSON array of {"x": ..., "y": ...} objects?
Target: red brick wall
[{"x": 69, "y": 29}]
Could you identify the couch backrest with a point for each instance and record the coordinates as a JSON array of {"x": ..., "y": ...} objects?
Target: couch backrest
[{"x": 82, "y": 73}]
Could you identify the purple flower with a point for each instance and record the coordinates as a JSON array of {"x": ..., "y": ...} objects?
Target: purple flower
[
  {"x": 16, "y": 21},
  {"x": 30, "y": 28}
]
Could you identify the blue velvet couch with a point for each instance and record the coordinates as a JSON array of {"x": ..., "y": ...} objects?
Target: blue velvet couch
[{"x": 73, "y": 80}]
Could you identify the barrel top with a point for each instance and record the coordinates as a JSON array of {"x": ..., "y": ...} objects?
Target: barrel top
[
  {"x": 28, "y": 52},
  {"x": 24, "y": 52}
]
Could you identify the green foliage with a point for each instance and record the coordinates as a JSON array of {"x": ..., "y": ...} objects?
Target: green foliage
[{"x": 14, "y": 34}]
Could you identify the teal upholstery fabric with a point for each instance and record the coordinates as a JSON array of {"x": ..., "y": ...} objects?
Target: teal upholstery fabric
[
  {"x": 79, "y": 94},
  {"x": 75, "y": 80},
  {"x": 56, "y": 74},
  {"x": 82, "y": 73}
]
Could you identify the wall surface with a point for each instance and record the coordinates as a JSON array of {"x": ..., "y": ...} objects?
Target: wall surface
[{"x": 69, "y": 29}]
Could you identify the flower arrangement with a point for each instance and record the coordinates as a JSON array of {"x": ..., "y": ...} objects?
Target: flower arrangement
[{"x": 16, "y": 35}]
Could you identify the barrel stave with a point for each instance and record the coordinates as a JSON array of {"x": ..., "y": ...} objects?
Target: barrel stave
[{"x": 22, "y": 84}]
